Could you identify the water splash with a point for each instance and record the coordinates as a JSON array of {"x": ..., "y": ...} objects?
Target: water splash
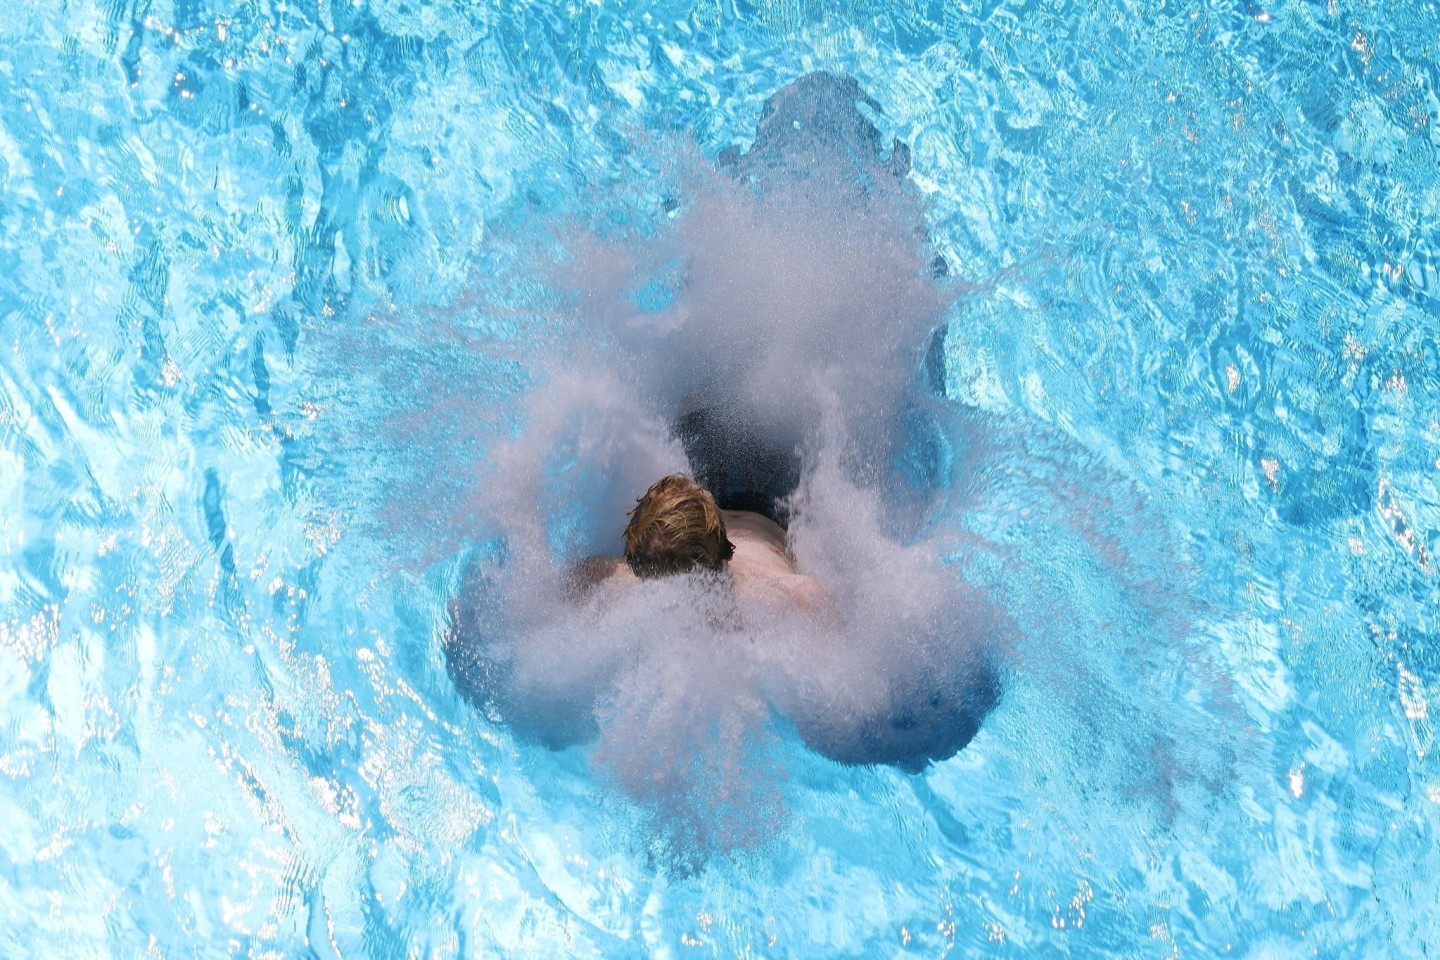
[{"x": 793, "y": 287}]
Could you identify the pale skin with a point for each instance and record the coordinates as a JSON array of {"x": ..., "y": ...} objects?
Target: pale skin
[{"x": 762, "y": 570}]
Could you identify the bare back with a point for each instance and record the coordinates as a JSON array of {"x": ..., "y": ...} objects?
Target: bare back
[{"x": 763, "y": 569}]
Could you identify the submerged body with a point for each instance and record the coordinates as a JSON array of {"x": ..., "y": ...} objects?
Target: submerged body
[{"x": 816, "y": 671}]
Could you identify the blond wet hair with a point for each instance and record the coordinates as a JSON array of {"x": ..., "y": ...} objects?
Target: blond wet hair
[{"x": 676, "y": 527}]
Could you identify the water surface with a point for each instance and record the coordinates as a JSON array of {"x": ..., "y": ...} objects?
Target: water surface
[{"x": 275, "y": 279}]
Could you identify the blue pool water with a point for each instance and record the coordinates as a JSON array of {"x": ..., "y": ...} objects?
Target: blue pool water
[{"x": 284, "y": 289}]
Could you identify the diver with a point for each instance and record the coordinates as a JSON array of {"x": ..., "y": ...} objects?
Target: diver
[{"x": 678, "y": 527}]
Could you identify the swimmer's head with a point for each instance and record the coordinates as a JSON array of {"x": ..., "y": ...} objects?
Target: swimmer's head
[{"x": 676, "y": 528}]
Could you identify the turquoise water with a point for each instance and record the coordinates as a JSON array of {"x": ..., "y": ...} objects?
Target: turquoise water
[{"x": 277, "y": 281}]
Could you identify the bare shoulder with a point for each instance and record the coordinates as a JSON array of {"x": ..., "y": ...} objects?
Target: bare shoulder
[
  {"x": 593, "y": 572},
  {"x": 743, "y": 525},
  {"x": 809, "y": 595}
]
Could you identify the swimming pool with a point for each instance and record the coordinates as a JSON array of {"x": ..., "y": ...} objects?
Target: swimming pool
[{"x": 276, "y": 282}]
